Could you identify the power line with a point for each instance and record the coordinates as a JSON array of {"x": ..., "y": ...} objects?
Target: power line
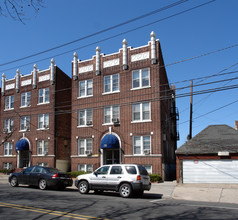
[
  {"x": 108, "y": 38},
  {"x": 99, "y": 32},
  {"x": 231, "y": 103}
]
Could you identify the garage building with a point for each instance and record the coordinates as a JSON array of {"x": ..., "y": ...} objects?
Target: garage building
[{"x": 210, "y": 157}]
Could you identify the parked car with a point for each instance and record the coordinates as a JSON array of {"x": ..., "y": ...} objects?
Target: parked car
[
  {"x": 123, "y": 178},
  {"x": 42, "y": 177}
]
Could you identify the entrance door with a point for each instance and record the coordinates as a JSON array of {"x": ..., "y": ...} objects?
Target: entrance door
[
  {"x": 23, "y": 158},
  {"x": 111, "y": 156}
]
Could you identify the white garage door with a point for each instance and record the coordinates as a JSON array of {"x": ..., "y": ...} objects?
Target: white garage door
[{"x": 210, "y": 171}]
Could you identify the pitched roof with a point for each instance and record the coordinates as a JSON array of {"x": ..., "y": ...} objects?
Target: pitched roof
[{"x": 212, "y": 139}]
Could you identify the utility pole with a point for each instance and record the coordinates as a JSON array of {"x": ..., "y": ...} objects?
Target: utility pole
[{"x": 191, "y": 112}]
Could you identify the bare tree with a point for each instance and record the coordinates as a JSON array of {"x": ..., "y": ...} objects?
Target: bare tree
[{"x": 19, "y": 9}]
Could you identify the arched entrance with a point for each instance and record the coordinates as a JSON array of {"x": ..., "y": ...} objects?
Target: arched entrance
[
  {"x": 22, "y": 147},
  {"x": 110, "y": 146}
]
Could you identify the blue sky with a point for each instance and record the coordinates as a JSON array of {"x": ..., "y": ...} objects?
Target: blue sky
[{"x": 196, "y": 32}]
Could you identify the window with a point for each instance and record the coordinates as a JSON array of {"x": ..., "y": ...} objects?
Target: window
[
  {"x": 140, "y": 78},
  {"x": 85, "y": 167},
  {"x": 85, "y": 117},
  {"x": 84, "y": 146},
  {"x": 42, "y": 164},
  {"x": 141, "y": 111},
  {"x": 111, "y": 113},
  {"x": 9, "y": 102},
  {"x": 103, "y": 170},
  {"x": 25, "y": 99},
  {"x": 44, "y": 96},
  {"x": 25, "y": 123},
  {"x": 8, "y": 125},
  {"x": 43, "y": 121},
  {"x": 42, "y": 147},
  {"x": 7, "y": 166},
  {"x": 116, "y": 170},
  {"x": 131, "y": 170},
  {"x": 141, "y": 145},
  {"x": 86, "y": 88},
  {"x": 111, "y": 83},
  {"x": 8, "y": 149},
  {"x": 148, "y": 168}
]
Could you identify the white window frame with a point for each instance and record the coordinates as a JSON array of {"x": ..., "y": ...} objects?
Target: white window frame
[
  {"x": 26, "y": 99},
  {"x": 86, "y": 117},
  {"x": 25, "y": 123},
  {"x": 44, "y": 148},
  {"x": 111, "y": 84},
  {"x": 140, "y": 86},
  {"x": 141, "y": 145},
  {"x": 8, "y": 124},
  {"x": 141, "y": 106},
  {"x": 43, "y": 164},
  {"x": 9, "y": 102},
  {"x": 45, "y": 96},
  {"x": 86, "y": 167},
  {"x": 7, "y": 165},
  {"x": 87, "y": 145},
  {"x": 86, "y": 88},
  {"x": 111, "y": 114},
  {"x": 44, "y": 120},
  {"x": 8, "y": 149}
]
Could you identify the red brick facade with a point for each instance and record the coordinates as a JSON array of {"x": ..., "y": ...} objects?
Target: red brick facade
[
  {"x": 55, "y": 130},
  {"x": 160, "y": 128}
]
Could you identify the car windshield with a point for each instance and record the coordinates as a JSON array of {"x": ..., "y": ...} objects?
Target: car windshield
[{"x": 142, "y": 170}]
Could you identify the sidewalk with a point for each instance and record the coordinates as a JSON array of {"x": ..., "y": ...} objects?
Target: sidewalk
[{"x": 222, "y": 193}]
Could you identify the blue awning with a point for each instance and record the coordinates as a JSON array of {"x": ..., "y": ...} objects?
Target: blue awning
[
  {"x": 22, "y": 144},
  {"x": 110, "y": 141}
]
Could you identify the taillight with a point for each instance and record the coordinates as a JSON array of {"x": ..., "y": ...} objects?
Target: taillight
[
  {"x": 55, "y": 175},
  {"x": 138, "y": 177}
]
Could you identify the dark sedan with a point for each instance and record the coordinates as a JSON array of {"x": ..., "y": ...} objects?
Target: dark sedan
[{"x": 42, "y": 177}]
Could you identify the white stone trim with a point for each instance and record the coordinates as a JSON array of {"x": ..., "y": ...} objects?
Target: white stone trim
[
  {"x": 140, "y": 56},
  {"x": 44, "y": 78},
  {"x": 10, "y": 86},
  {"x": 109, "y": 63},
  {"x": 26, "y": 82},
  {"x": 85, "y": 69}
]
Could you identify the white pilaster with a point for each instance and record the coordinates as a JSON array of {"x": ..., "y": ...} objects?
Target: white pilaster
[
  {"x": 17, "y": 80},
  {"x": 124, "y": 56},
  {"x": 52, "y": 71},
  {"x": 153, "y": 47},
  {"x": 34, "y": 76},
  {"x": 75, "y": 66},
  {"x": 98, "y": 50}
]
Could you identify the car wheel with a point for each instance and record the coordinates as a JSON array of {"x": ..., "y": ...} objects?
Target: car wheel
[
  {"x": 125, "y": 190},
  {"x": 83, "y": 187},
  {"x": 14, "y": 181},
  {"x": 42, "y": 184}
]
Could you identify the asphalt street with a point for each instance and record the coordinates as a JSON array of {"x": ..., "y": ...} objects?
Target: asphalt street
[{"x": 31, "y": 203}]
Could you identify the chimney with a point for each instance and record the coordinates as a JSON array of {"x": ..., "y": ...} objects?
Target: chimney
[{"x": 236, "y": 125}]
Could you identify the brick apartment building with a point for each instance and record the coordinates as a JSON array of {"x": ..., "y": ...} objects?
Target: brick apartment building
[
  {"x": 123, "y": 110},
  {"x": 36, "y": 119}
]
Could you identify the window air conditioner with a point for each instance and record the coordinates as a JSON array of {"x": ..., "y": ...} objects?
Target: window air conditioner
[
  {"x": 146, "y": 152},
  {"x": 89, "y": 122},
  {"x": 88, "y": 152}
]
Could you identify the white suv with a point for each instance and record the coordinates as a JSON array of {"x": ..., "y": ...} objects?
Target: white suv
[{"x": 123, "y": 178}]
